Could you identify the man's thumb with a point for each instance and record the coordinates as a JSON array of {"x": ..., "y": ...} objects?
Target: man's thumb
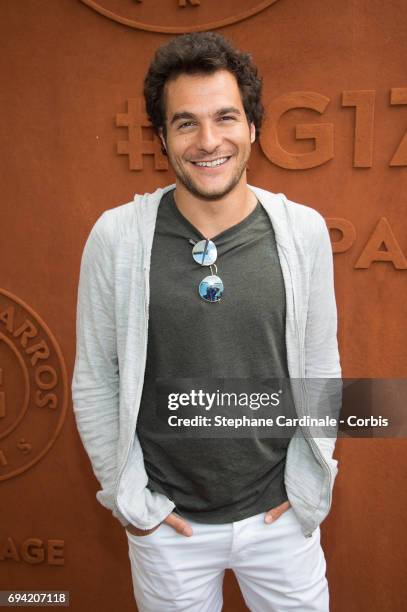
[{"x": 179, "y": 524}]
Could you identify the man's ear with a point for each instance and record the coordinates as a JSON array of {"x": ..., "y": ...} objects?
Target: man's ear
[
  {"x": 163, "y": 145},
  {"x": 252, "y": 133}
]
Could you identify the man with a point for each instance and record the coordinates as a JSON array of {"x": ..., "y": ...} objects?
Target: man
[{"x": 150, "y": 314}]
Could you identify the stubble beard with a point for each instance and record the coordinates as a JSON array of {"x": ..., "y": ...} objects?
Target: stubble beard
[{"x": 191, "y": 186}]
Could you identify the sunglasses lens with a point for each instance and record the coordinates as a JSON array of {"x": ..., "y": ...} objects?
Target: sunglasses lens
[
  {"x": 205, "y": 252},
  {"x": 211, "y": 288}
]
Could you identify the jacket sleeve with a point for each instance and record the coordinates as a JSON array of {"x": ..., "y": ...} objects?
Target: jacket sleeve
[
  {"x": 322, "y": 362},
  {"x": 95, "y": 382}
]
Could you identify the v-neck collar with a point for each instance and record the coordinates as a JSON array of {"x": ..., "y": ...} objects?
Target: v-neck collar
[{"x": 228, "y": 231}]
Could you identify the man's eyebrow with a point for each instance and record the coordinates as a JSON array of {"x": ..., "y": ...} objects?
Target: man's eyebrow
[
  {"x": 227, "y": 110},
  {"x": 222, "y": 111},
  {"x": 182, "y": 115}
]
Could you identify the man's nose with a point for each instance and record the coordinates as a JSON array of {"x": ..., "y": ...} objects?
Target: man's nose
[{"x": 209, "y": 137}]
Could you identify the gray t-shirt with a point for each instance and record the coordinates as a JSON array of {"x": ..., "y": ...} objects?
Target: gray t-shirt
[{"x": 241, "y": 336}]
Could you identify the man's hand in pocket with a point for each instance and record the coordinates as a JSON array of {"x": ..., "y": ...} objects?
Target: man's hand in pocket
[
  {"x": 173, "y": 520},
  {"x": 273, "y": 514},
  {"x": 179, "y": 524}
]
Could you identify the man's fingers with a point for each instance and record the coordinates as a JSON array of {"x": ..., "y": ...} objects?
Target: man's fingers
[
  {"x": 178, "y": 524},
  {"x": 275, "y": 513}
]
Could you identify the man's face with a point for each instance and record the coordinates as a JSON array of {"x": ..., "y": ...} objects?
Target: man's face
[{"x": 206, "y": 122}]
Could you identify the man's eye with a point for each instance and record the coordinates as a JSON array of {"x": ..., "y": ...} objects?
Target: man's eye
[
  {"x": 186, "y": 124},
  {"x": 227, "y": 117}
]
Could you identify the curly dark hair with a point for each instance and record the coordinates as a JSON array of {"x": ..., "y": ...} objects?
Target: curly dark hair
[{"x": 201, "y": 52}]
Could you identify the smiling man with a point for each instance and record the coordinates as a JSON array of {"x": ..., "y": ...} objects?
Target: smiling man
[
  {"x": 208, "y": 143},
  {"x": 203, "y": 280}
]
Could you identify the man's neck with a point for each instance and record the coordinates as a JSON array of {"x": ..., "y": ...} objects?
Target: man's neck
[{"x": 211, "y": 217}]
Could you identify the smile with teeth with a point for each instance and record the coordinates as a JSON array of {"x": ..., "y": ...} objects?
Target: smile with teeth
[{"x": 212, "y": 164}]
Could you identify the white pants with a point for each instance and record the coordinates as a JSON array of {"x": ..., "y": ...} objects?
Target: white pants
[{"x": 277, "y": 567}]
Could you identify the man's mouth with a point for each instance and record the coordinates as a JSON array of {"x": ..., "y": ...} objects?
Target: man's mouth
[{"x": 213, "y": 163}]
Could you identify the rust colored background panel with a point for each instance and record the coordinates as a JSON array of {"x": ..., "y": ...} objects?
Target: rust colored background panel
[{"x": 75, "y": 141}]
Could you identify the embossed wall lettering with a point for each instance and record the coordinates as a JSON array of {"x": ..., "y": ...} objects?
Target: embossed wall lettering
[
  {"x": 346, "y": 231},
  {"x": 191, "y": 2},
  {"x": 398, "y": 95},
  {"x": 381, "y": 246},
  {"x": 322, "y": 133},
  {"x": 180, "y": 15},
  {"x": 363, "y": 101},
  {"x": 183, "y": 2},
  {"x": 136, "y": 146},
  {"x": 33, "y": 551},
  {"x": 33, "y": 387},
  {"x": 2, "y": 396}
]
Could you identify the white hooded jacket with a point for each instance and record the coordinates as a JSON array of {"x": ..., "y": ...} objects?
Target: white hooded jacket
[{"x": 111, "y": 350}]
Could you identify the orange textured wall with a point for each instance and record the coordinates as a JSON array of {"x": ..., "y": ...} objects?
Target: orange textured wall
[{"x": 74, "y": 142}]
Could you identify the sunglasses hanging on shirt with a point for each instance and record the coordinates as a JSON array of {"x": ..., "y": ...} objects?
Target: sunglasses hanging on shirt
[{"x": 205, "y": 254}]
